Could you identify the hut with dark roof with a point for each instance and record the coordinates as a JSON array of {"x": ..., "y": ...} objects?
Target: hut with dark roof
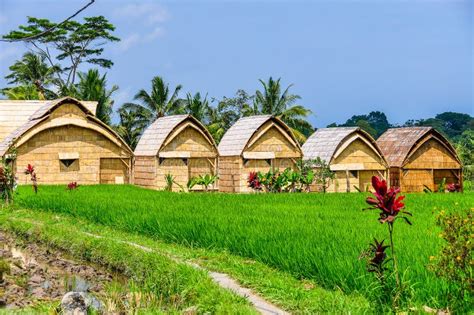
[
  {"x": 255, "y": 143},
  {"x": 351, "y": 153},
  {"x": 65, "y": 142},
  {"x": 177, "y": 145},
  {"x": 419, "y": 157}
]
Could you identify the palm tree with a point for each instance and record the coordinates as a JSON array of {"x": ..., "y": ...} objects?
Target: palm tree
[
  {"x": 33, "y": 70},
  {"x": 158, "y": 103},
  {"x": 198, "y": 107},
  {"x": 131, "y": 126},
  {"x": 93, "y": 87},
  {"x": 22, "y": 92},
  {"x": 272, "y": 101}
]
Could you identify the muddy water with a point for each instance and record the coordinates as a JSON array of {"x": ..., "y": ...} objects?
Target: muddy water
[{"x": 40, "y": 274}]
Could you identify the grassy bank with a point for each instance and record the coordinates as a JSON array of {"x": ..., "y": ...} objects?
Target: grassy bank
[
  {"x": 276, "y": 286},
  {"x": 313, "y": 236},
  {"x": 158, "y": 284}
]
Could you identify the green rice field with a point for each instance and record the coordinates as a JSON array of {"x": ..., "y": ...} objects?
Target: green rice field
[{"x": 312, "y": 236}]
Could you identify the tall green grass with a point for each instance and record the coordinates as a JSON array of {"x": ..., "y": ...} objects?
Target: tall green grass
[{"x": 317, "y": 236}]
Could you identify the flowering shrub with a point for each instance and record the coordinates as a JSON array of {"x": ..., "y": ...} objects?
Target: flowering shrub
[
  {"x": 455, "y": 262},
  {"x": 72, "y": 186},
  {"x": 287, "y": 181},
  {"x": 453, "y": 187},
  {"x": 30, "y": 170}
]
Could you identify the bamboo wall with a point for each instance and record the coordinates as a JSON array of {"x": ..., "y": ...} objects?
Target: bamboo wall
[
  {"x": 42, "y": 150},
  {"x": 234, "y": 170},
  {"x": 198, "y": 158},
  {"x": 427, "y": 166},
  {"x": 361, "y": 161}
]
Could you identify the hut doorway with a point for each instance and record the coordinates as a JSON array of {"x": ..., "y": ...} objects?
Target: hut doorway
[{"x": 114, "y": 171}]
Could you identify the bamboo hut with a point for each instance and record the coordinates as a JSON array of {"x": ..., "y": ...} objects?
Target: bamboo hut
[
  {"x": 178, "y": 145},
  {"x": 255, "y": 143},
  {"x": 419, "y": 157},
  {"x": 65, "y": 142},
  {"x": 351, "y": 153}
]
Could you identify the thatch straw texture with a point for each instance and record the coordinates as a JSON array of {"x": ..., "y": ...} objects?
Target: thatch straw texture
[
  {"x": 397, "y": 143},
  {"x": 324, "y": 142},
  {"x": 14, "y": 114},
  {"x": 155, "y": 135}
]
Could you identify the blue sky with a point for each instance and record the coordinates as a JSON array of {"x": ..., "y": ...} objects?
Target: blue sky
[{"x": 410, "y": 59}]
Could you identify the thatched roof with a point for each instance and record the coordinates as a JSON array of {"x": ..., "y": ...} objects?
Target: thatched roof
[
  {"x": 18, "y": 117},
  {"x": 156, "y": 134},
  {"x": 397, "y": 143},
  {"x": 235, "y": 140},
  {"x": 14, "y": 114},
  {"x": 325, "y": 141}
]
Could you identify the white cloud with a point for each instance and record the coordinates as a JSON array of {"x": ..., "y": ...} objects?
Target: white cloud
[
  {"x": 129, "y": 41},
  {"x": 148, "y": 12},
  {"x": 137, "y": 39}
]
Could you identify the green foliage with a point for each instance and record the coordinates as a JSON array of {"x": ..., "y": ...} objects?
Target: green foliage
[
  {"x": 156, "y": 104},
  {"x": 273, "y": 101},
  {"x": 73, "y": 42},
  {"x": 169, "y": 179},
  {"x": 450, "y": 124},
  {"x": 33, "y": 76},
  {"x": 455, "y": 262},
  {"x": 7, "y": 181},
  {"x": 465, "y": 149},
  {"x": 322, "y": 173},
  {"x": 289, "y": 180},
  {"x": 93, "y": 87},
  {"x": 4, "y": 268},
  {"x": 375, "y": 123},
  {"x": 312, "y": 236},
  {"x": 197, "y": 106},
  {"x": 130, "y": 126},
  {"x": 205, "y": 181}
]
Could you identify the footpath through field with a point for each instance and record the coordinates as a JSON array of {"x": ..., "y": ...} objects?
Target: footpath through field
[{"x": 222, "y": 279}]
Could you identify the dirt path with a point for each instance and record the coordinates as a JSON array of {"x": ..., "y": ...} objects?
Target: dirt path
[{"x": 222, "y": 279}]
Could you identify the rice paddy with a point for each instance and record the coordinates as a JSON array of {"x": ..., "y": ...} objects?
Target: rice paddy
[{"x": 313, "y": 236}]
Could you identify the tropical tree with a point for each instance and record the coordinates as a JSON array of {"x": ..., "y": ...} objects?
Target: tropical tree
[
  {"x": 32, "y": 71},
  {"x": 228, "y": 111},
  {"x": 198, "y": 107},
  {"x": 93, "y": 87},
  {"x": 158, "y": 103},
  {"x": 271, "y": 100},
  {"x": 67, "y": 45},
  {"x": 22, "y": 92},
  {"x": 131, "y": 126}
]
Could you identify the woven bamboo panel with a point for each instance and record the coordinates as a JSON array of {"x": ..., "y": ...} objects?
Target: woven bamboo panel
[
  {"x": 433, "y": 155},
  {"x": 358, "y": 152}
]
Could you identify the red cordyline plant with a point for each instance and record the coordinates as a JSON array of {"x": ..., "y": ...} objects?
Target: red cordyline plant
[
  {"x": 30, "y": 170},
  {"x": 454, "y": 187},
  {"x": 72, "y": 186},
  {"x": 390, "y": 205},
  {"x": 253, "y": 181}
]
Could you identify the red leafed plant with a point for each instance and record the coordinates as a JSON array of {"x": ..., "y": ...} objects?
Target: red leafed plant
[
  {"x": 390, "y": 205},
  {"x": 72, "y": 186},
  {"x": 30, "y": 170},
  {"x": 453, "y": 187},
  {"x": 253, "y": 181}
]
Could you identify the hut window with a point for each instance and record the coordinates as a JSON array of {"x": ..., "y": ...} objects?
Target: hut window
[
  {"x": 354, "y": 173},
  {"x": 161, "y": 160},
  {"x": 185, "y": 161},
  {"x": 67, "y": 159}
]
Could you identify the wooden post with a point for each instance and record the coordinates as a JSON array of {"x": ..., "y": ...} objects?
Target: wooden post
[{"x": 348, "y": 185}]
